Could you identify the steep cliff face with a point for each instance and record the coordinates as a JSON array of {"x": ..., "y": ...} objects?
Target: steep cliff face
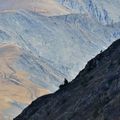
[{"x": 93, "y": 94}]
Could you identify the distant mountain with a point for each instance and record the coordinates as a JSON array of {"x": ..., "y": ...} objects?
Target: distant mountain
[
  {"x": 105, "y": 11},
  {"x": 44, "y": 7},
  {"x": 55, "y": 38},
  {"x": 94, "y": 94}
]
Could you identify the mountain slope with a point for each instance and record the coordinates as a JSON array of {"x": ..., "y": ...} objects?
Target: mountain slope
[
  {"x": 93, "y": 94},
  {"x": 45, "y": 7},
  {"x": 105, "y": 11},
  {"x": 22, "y": 79},
  {"x": 39, "y": 34},
  {"x": 51, "y": 38}
]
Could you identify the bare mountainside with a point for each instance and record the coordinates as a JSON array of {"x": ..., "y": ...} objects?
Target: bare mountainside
[
  {"x": 104, "y": 11},
  {"x": 94, "y": 94},
  {"x": 73, "y": 36},
  {"x": 51, "y": 40},
  {"x": 18, "y": 70},
  {"x": 44, "y": 7}
]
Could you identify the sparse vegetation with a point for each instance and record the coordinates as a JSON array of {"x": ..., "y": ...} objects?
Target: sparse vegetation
[{"x": 65, "y": 83}]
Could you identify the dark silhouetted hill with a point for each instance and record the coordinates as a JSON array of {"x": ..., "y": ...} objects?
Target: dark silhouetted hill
[{"x": 93, "y": 95}]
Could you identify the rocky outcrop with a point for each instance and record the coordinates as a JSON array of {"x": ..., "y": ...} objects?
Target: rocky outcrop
[{"x": 94, "y": 94}]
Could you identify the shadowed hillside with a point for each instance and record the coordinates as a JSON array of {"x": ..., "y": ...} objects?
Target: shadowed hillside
[{"x": 94, "y": 94}]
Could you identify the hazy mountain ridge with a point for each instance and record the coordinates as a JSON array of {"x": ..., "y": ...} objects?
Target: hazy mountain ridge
[
  {"x": 93, "y": 94},
  {"x": 105, "y": 11}
]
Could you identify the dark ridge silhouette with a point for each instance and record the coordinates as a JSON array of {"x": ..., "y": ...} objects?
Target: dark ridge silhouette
[{"x": 93, "y": 95}]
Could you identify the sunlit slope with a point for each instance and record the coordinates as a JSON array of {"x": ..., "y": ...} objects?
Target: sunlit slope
[
  {"x": 105, "y": 11},
  {"x": 16, "y": 87},
  {"x": 45, "y": 7},
  {"x": 61, "y": 40}
]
